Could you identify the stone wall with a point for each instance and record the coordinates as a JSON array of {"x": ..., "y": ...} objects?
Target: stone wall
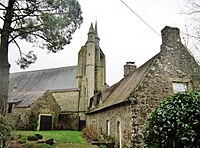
[
  {"x": 45, "y": 104},
  {"x": 115, "y": 114},
  {"x": 69, "y": 103},
  {"x": 63, "y": 104},
  {"x": 68, "y": 121},
  {"x": 68, "y": 100},
  {"x": 173, "y": 64},
  {"x": 20, "y": 117}
]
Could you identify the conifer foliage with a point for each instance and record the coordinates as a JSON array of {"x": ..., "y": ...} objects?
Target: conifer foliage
[
  {"x": 175, "y": 123},
  {"x": 48, "y": 23}
]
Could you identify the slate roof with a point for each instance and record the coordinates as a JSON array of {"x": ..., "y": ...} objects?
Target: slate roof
[
  {"x": 33, "y": 84},
  {"x": 24, "y": 99},
  {"x": 120, "y": 91}
]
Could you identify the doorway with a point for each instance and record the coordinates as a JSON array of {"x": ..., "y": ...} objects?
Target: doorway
[{"x": 45, "y": 122}]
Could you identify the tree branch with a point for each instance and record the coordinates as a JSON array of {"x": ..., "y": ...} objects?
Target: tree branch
[
  {"x": 28, "y": 32},
  {"x": 1, "y": 18},
  {"x": 1, "y": 4},
  {"x": 36, "y": 28},
  {"x": 13, "y": 39}
]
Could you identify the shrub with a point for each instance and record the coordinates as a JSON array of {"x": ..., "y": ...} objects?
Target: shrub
[
  {"x": 91, "y": 132},
  {"x": 5, "y": 131},
  {"x": 22, "y": 139},
  {"x": 39, "y": 136},
  {"x": 33, "y": 122},
  {"x": 175, "y": 122},
  {"x": 32, "y": 137}
]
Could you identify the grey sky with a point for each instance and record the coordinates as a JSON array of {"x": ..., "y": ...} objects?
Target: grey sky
[{"x": 123, "y": 36}]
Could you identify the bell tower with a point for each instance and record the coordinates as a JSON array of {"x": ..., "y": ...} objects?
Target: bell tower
[
  {"x": 91, "y": 69},
  {"x": 90, "y": 62}
]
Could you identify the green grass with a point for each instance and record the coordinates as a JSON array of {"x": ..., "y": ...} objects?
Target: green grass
[{"x": 60, "y": 136}]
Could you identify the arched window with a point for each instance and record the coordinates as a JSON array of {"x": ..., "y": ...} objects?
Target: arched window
[
  {"x": 108, "y": 127},
  {"x": 119, "y": 134}
]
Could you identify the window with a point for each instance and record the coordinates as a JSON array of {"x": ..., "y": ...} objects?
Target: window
[
  {"x": 10, "y": 107},
  {"x": 119, "y": 134},
  {"x": 93, "y": 124},
  {"x": 179, "y": 87},
  {"x": 108, "y": 127},
  {"x": 91, "y": 105},
  {"x": 99, "y": 98}
]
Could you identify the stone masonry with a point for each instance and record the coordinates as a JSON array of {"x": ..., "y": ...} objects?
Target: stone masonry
[{"x": 173, "y": 64}]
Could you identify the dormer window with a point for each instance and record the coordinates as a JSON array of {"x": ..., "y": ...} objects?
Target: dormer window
[
  {"x": 179, "y": 86},
  {"x": 99, "y": 98},
  {"x": 91, "y": 103}
]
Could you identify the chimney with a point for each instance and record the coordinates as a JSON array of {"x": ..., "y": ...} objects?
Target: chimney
[
  {"x": 129, "y": 68},
  {"x": 170, "y": 36}
]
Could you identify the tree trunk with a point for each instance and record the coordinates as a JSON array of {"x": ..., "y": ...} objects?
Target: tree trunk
[
  {"x": 4, "y": 80},
  {"x": 4, "y": 65}
]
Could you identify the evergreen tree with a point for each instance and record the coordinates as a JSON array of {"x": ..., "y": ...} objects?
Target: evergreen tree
[{"x": 49, "y": 23}]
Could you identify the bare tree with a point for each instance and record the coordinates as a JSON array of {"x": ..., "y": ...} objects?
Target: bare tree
[{"x": 192, "y": 9}]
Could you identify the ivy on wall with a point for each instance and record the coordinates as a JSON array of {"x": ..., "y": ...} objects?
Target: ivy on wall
[{"x": 33, "y": 122}]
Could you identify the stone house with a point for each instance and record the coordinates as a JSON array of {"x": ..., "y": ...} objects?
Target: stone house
[
  {"x": 121, "y": 110},
  {"x": 58, "y": 97}
]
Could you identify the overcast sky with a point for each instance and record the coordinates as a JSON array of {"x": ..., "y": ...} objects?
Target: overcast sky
[{"x": 123, "y": 36}]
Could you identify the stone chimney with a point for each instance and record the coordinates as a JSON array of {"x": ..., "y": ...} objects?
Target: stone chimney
[
  {"x": 170, "y": 36},
  {"x": 129, "y": 68}
]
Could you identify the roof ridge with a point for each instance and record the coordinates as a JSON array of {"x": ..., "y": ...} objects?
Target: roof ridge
[{"x": 53, "y": 68}]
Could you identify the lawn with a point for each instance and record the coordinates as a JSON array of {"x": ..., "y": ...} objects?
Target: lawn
[
  {"x": 63, "y": 139},
  {"x": 60, "y": 136}
]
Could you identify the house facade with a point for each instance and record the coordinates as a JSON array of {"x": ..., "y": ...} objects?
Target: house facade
[{"x": 124, "y": 107}]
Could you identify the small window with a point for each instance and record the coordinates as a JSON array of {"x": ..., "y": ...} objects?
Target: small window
[
  {"x": 179, "y": 87},
  {"x": 93, "y": 123}
]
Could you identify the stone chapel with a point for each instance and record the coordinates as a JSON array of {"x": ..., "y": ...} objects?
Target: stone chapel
[
  {"x": 75, "y": 97},
  {"x": 58, "y": 98}
]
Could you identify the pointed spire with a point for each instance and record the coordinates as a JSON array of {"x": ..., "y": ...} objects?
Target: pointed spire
[
  {"x": 97, "y": 39},
  {"x": 91, "y": 30},
  {"x": 96, "y": 32},
  {"x": 91, "y": 34}
]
